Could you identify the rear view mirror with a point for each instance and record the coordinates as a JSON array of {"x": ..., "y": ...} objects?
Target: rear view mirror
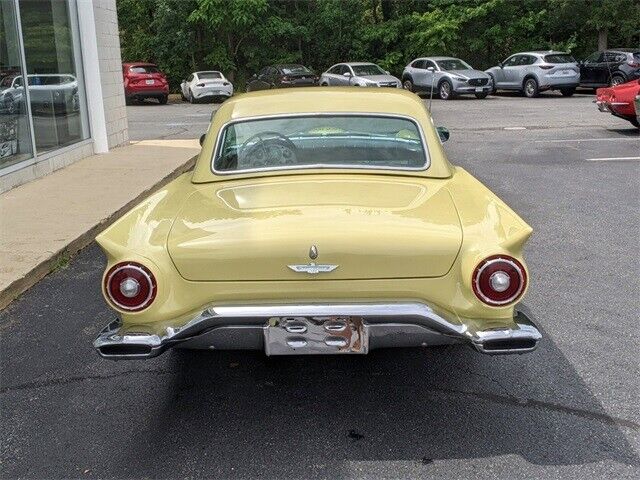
[
  {"x": 202, "y": 137},
  {"x": 443, "y": 133}
]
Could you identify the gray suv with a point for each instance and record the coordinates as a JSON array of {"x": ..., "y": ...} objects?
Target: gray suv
[
  {"x": 359, "y": 74},
  {"x": 449, "y": 77},
  {"x": 534, "y": 72}
]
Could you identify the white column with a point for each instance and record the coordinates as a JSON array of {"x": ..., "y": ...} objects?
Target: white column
[{"x": 92, "y": 80}]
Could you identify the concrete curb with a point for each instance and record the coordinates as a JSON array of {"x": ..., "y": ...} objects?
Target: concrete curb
[{"x": 16, "y": 288}]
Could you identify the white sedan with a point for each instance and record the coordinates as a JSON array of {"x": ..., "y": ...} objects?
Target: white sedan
[{"x": 205, "y": 87}]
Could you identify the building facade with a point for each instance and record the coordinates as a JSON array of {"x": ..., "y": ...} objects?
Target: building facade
[{"x": 72, "y": 103}]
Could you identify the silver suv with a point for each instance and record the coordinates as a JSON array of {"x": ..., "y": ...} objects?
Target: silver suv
[
  {"x": 359, "y": 74},
  {"x": 449, "y": 77},
  {"x": 534, "y": 72}
]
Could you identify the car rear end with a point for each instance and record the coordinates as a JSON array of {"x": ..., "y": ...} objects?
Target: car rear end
[
  {"x": 621, "y": 100},
  {"x": 558, "y": 71},
  {"x": 144, "y": 80},
  {"x": 212, "y": 86},
  {"x": 297, "y": 76}
]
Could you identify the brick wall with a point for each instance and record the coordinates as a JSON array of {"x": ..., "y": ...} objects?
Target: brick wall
[{"x": 106, "y": 19}]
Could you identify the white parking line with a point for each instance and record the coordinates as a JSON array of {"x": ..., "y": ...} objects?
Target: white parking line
[
  {"x": 611, "y": 159},
  {"x": 606, "y": 139}
]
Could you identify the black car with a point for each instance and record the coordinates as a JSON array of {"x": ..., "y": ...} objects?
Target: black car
[
  {"x": 282, "y": 76},
  {"x": 610, "y": 67}
]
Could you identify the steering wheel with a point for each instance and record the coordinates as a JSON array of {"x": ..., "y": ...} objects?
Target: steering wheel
[{"x": 270, "y": 149}]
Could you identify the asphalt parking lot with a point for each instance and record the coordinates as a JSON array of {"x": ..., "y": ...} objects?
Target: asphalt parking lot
[{"x": 567, "y": 410}]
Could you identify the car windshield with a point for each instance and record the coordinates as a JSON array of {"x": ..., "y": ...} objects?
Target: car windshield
[
  {"x": 559, "y": 58},
  {"x": 453, "y": 64},
  {"x": 144, "y": 69},
  {"x": 208, "y": 75},
  {"x": 295, "y": 70},
  {"x": 369, "y": 69},
  {"x": 330, "y": 141}
]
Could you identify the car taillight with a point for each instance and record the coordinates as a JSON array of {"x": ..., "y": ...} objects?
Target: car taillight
[
  {"x": 499, "y": 280},
  {"x": 546, "y": 67},
  {"x": 130, "y": 286}
]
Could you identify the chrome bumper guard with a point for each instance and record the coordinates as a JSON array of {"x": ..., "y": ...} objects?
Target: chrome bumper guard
[{"x": 318, "y": 329}]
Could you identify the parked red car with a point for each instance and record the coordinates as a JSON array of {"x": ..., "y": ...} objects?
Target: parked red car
[
  {"x": 620, "y": 101},
  {"x": 144, "y": 80}
]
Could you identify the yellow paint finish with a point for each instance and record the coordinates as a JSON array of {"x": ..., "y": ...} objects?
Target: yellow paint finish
[{"x": 397, "y": 236}]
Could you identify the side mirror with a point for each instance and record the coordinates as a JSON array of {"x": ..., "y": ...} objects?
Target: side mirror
[
  {"x": 443, "y": 133},
  {"x": 255, "y": 75},
  {"x": 431, "y": 69},
  {"x": 501, "y": 65},
  {"x": 387, "y": 72},
  {"x": 202, "y": 137},
  {"x": 346, "y": 74}
]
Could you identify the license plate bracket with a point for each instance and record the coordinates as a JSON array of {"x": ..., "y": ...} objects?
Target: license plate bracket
[
  {"x": 478, "y": 89},
  {"x": 322, "y": 335}
]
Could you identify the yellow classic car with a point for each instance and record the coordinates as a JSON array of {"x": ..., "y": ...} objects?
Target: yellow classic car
[{"x": 318, "y": 221}]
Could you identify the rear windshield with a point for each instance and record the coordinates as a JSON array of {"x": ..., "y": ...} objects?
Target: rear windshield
[
  {"x": 364, "y": 70},
  {"x": 144, "y": 69},
  {"x": 295, "y": 70},
  {"x": 209, "y": 75},
  {"x": 559, "y": 58},
  {"x": 330, "y": 141}
]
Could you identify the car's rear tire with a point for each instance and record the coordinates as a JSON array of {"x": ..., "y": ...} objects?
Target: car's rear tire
[
  {"x": 567, "y": 92},
  {"x": 480, "y": 96},
  {"x": 163, "y": 99},
  {"x": 445, "y": 90},
  {"x": 530, "y": 88},
  {"x": 324, "y": 84},
  {"x": 616, "y": 80},
  {"x": 128, "y": 101},
  {"x": 407, "y": 84}
]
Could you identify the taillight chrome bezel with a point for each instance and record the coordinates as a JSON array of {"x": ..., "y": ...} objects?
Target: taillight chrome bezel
[
  {"x": 146, "y": 274},
  {"x": 493, "y": 260}
]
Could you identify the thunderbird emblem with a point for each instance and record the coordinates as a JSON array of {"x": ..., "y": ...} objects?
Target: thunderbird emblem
[{"x": 313, "y": 268}]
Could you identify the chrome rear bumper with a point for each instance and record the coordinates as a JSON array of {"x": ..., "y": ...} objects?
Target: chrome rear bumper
[{"x": 318, "y": 329}]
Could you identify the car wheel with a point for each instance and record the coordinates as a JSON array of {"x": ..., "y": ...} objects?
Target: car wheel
[
  {"x": 616, "y": 80},
  {"x": 163, "y": 99},
  {"x": 445, "y": 90},
  {"x": 480, "y": 96},
  {"x": 531, "y": 88},
  {"x": 324, "y": 84},
  {"x": 128, "y": 100},
  {"x": 567, "y": 92},
  {"x": 408, "y": 85}
]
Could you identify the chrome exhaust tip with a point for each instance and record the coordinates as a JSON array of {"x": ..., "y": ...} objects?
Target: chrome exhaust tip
[
  {"x": 522, "y": 338},
  {"x": 113, "y": 345}
]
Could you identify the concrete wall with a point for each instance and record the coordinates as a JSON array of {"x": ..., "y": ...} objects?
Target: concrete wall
[{"x": 108, "y": 40}]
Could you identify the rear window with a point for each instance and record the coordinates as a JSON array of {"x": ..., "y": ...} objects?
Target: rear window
[
  {"x": 321, "y": 141},
  {"x": 209, "y": 75},
  {"x": 559, "y": 58},
  {"x": 144, "y": 69}
]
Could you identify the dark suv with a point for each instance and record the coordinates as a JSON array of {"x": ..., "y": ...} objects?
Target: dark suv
[{"x": 610, "y": 67}]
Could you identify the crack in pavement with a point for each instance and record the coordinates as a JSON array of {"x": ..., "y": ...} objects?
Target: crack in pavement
[{"x": 508, "y": 399}]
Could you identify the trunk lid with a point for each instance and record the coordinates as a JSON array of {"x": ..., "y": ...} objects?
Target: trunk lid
[{"x": 371, "y": 228}]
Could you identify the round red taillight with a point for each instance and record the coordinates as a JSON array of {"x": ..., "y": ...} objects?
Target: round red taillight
[
  {"x": 130, "y": 286},
  {"x": 499, "y": 280}
]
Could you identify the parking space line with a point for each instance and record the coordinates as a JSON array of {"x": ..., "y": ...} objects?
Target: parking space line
[
  {"x": 611, "y": 159},
  {"x": 605, "y": 139}
]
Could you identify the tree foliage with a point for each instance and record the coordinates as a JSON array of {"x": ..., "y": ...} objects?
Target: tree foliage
[{"x": 241, "y": 36}]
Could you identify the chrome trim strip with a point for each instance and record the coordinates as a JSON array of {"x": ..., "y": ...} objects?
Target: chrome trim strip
[
  {"x": 400, "y": 318},
  {"x": 224, "y": 126}
]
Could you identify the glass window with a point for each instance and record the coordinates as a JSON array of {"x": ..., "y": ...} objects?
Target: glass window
[
  {"x": 53, "y": 70},
  {"x": 512, "y": 61},
  {"x": 209, "y": 75},
  {"x": 295, "y": 70},
  {"x": 338, "y": 141},
  {"x": 559, "y": 58},
  {"x": 431, "y": 64},
  {"x": 335, "y": 70},
  {"x": 369, "y": 69},
  {"x": 144, "y": 69},
  {"x": 418, "y": 64},
  {"x": 454, "y": 64},
  {"x": 15, "y": 137}
]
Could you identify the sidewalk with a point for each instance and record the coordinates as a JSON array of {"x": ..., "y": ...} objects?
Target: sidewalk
[{"x": 46, "y": 220}]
